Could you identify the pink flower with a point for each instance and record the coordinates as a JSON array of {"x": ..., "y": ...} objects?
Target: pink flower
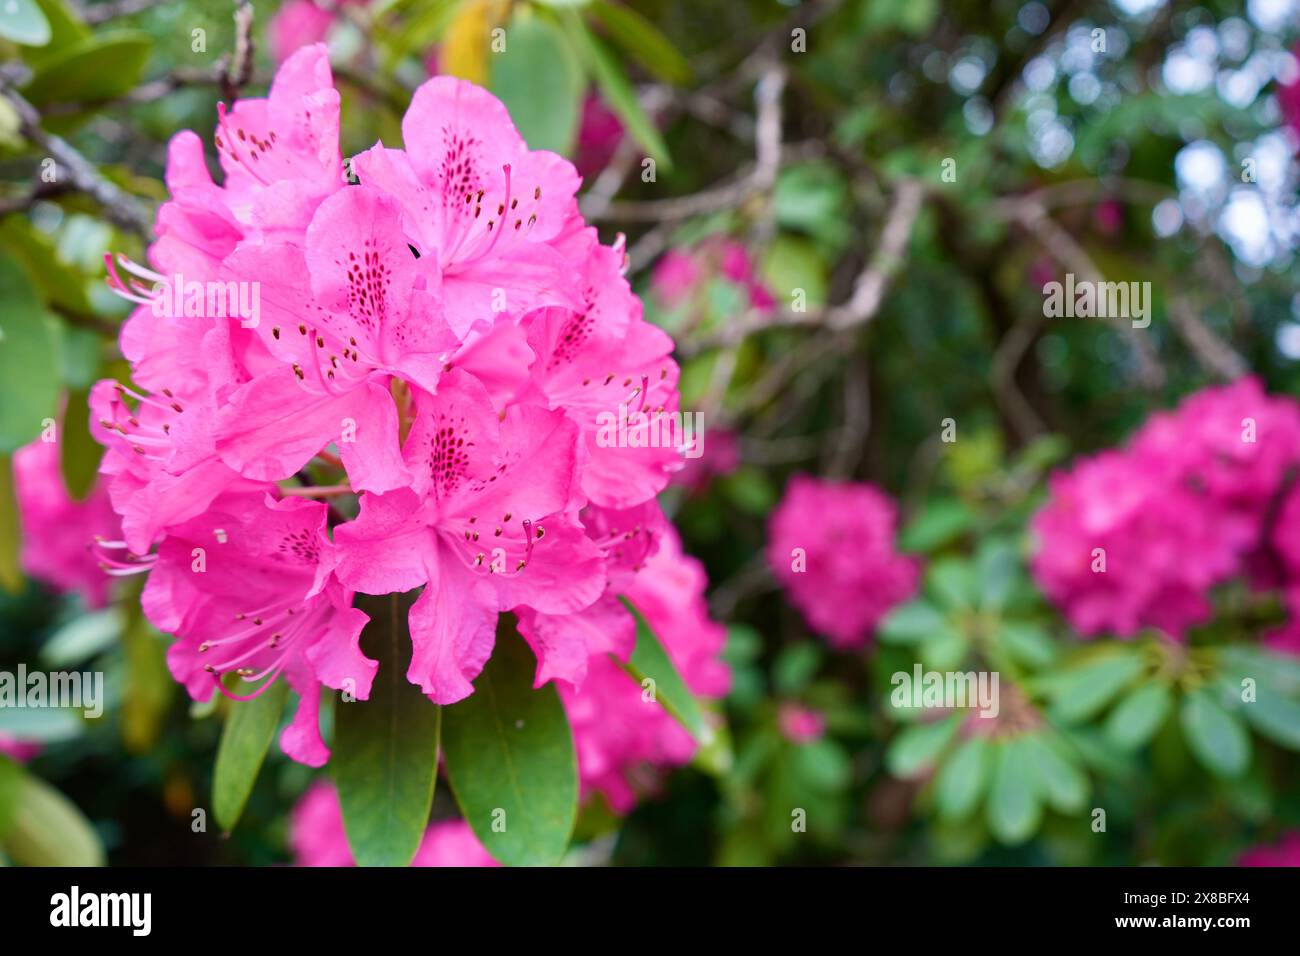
[
  {"x": 680, "y": 275},
  {"x": 675, "y": 277},
  {"x": 58, "y": 532},
  {"x": 1120, "y": 548},
  {"x": 488, "y": 525},
  {"x": 598, "y": 136},
  {"x": 1137, "y": 537},
  {"x": 19, "y": 750},
  {"x": 246, "y": 588},
  {"x": 317, "y": 837},
  {"x": 479, "y": 207},
  {"x": 1286, "y": 852},
  {"x": 1288, "y": 99},
  {"x": 297, "y": 23},
  {"x": 621, "y": 737},
  {"x": 831, "y": 546},
  {"x": 799, "y": 724},
  {"x": 721, "y": 456}
]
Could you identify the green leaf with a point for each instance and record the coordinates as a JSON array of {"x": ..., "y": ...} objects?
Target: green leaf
[
  {"x": 643, "y": 41},
  {"x": 11, "y": 572},
  {"x": 385, "y": 752},
  {"x": 794, "y": 667},
  {"x": 1014, "y": 807},
  {"x": 822, "y": 765},
  {"x": 962, "y": 778},
  {"x": 23, "y": 22},
  {"x": 1081, "y": 692},
  {"x": 47, "y": 829},
  {"x": 917, "y": 748},
  {"x": 1027, "y": 642},
  {"x": 938, "y": 524},
  {"x": 510, "y": 758},
  {"x": 1275, "y": 716},
  {"x": 649, "y": 661},
  {"x": 913, "y": 623},
  {"x": 792, "y": 265},
  {"x": 249, "y": 730},
  {"x": 616, "y": 89},
  {"x": 79, "y": 453},
  {"x": 1138, "y": 716},
  {"x": 997, "y": 568},
  {"x": 58, "y": 283},
  {"x": 1216, "y": 737},
  {"x": 98, "y": 68},
  {"x": 953, "y": 583},
  {"x": 43, "y": 724},
  {"x": 11, "y": 785},
  {"x": 29, "y": 360},
  {"x": 1064, "y": 784},
  {"x": 540, "y": 81}
]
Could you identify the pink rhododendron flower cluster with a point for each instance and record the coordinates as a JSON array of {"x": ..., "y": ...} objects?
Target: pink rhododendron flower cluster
[
  {"x": 1136, "y": 537},
  {"x": 57, "y": 530},
  {"x": 832, "y": 547},
  {"x": 317, "y": 837},
  {"x": 1286, "y": 852},
  {"x": 437, "y": 331}
]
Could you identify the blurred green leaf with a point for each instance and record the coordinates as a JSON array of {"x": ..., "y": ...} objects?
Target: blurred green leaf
[
  {"x": 1064, "y": 784},
  {"x": 540, "y": 81},
  {"x": 29, "y": 360},
  {"x": 385, "y": 749},
  {"x": 616, "y": 90},
  {"x": 953, "y": 583},
  {"x": 1082, "y": 691},
  {"x": 1137, "y": 717},
  {"x": 79, "y": 453},
  {"x": 913, "y": 623},
  {"x": 916, "y": 748},
  {"x": 997, "y": 568},
  {"x": 510, "y": 758},
  {"x": 962, "y": 779},
  {"x": 1027, "y": 642},
  {"x": 250, "y": 728},
  {"x": 642, "y": 40},
  {"x": 938, "y": 524},
  {"x": 1014, "y": 807},
  {"x": 82, "y": 638},
  {"x": 1216, "y": 737},
  {"x": 11, "y": 785},
  {"x": 11, "y": 572},
  {"x": 791, "y": 265},
  {"x": 47, "y": 829},
  {"x": 23, "y": 22},
  {"x": 93, "y": 70}
]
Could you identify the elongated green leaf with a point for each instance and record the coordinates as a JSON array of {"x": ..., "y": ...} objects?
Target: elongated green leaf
[
  {"x": 616, "y": 90},
  {"x": 11, "y": 573},
  {"x": 1026, "y": 642},
  {"x": 98, "y": 68},
  {"x": 1081, "y": 692},
  {"x": 962, "y": 779},
  {"x": 1216, "y": 737},
  {"x": 953, "y": 583},
  {"x": 1015, "y": 805},
  {"x": 649, "y": 661},
  {"x": 913, "y": 623},
  {"x": 385, "y": 755},
  {"x": 916, "y": 748},
  {"x": 47, "y": 829},
  {"x": 643, "y": 41},
  {"x": 79, "y": 453},
  {"x": 1063, "y": 783},
  {"x": 11, "y": 785},
  {"x": 510, "y": 758},
  {"x": 244, "y": 741},
  {"x": 539, "y": 80},
  {"x": 1139, "y": 716},
  {"x": 82, "y": 638},
  {"x": 1275, "y": 716},
  {"x": 23, "y": 22},
  {"x": 29, "y": 360},
  {"x": 938, "y": 523}
]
